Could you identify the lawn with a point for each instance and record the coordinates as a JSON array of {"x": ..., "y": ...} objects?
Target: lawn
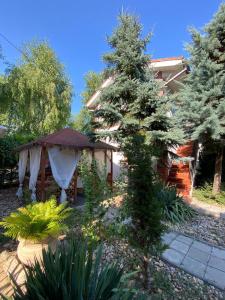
[{"x": 205, "y": 194}]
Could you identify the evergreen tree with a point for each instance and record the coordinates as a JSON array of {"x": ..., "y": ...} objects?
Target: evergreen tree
[
  {"x": 201, "y": 105},
  {"x": 135, "y": 105},
  {"x": 134, "y": 102}
]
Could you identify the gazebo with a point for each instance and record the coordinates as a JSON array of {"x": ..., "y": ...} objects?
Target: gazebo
[{"x": 59, "y": 154}]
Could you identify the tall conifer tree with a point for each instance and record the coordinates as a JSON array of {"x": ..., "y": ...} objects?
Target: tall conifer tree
[
  {"x": 202, "y": 99},
  {"x": 134, "y": 104}
]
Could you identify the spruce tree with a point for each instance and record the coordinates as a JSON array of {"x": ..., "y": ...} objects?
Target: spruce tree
[
  {"x": 134, "y": 104},
  {"x": 202, "y": 99}
]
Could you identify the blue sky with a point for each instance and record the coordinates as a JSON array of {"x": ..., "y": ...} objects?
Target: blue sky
[{"x": 77, "y": 30}]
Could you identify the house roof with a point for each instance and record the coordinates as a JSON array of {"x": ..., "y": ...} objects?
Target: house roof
[
  {"x": 67, "y": 137},
  {"x": 174, "y": 64},
  {"x": 167, "y": 58}
]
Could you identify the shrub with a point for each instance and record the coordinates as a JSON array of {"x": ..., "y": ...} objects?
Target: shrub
[
  {"x": 37, "y": 221},
  {"x": 73, "y": 272},
  {"x": 175, "y": 209},
  {"x": 205, "y": 194}
]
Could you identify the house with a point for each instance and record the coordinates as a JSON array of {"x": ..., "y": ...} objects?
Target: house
[{"x": 172, "y": 72}]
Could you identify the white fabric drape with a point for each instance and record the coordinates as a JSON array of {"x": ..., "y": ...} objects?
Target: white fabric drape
[
  {"x": 35, "y": 158},
  {"x": 22, "y": 170},
  {"x": 63, "y": 164}
]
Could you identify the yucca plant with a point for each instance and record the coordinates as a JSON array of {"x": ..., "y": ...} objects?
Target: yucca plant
[
  {"x": 37, "y": 221},
  {"x": 73, "y": 272},
  {"x": 175, "y": 209}
]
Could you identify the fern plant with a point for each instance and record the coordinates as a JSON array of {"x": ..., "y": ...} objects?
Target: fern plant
[
  {"x": 74, "y": 272},
  {"x": 37, "y": 221}
]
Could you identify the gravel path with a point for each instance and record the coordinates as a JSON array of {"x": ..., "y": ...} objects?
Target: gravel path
[{"x": 205, "y": 228}]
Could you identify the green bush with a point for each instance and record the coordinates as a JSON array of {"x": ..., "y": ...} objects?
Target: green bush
[
  {"x": 205, "y": 194},
  {"x": 37, "y": 221},
  {"x": 73, "y": 272},
  {"x": 175, "y": 209},
  {"x": 8, "y": 158}
]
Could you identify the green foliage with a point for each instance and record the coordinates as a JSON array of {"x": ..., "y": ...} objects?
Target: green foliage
[
  {"x": 73, "y": 272},
  {"x": 201, "y": 101},
  {"x": 82, "y": 121},
  {"x": 96, "y": 189},
  {"x": 37, "y": 91},
  {"x": 93, "y": 82},
  {"x": 134, "y": 101},
  {"x": 175, "y": 210},
  {"x": 37, "y": 221},
  {"x": 95, "y": 185},
  {"x": 205, "y": 194},
  {"x": 8, "y": 143},
  {"x": 143, "y": 206}
]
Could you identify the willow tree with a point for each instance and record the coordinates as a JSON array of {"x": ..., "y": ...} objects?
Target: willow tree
[
  {"x": 202, "y": 99},
  {"x": 37, "y": 90}
]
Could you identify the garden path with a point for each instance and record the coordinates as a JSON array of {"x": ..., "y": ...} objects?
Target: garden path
[
  {"x": 209, "y": 209},
  {"x": 198, "y": 258}
]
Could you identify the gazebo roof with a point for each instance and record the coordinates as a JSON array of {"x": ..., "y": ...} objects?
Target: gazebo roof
[{"x": 67, "y": 137}]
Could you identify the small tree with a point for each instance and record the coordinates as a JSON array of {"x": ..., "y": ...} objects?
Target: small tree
[{"x": 201, "y": 106}]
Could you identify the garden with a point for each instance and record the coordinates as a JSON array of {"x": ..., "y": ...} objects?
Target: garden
[{"x": 114, "y": 245}]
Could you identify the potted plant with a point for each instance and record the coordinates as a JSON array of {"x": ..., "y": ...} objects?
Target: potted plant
[{"x": 36, "y": 227}]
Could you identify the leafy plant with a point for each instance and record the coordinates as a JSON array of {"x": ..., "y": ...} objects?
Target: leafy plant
[
  {"x": 205, "y": 194},
  {"x": 37, "y": 221},
  {"x": 175, "y": 209},
  {"x": 76, "y": 273}
]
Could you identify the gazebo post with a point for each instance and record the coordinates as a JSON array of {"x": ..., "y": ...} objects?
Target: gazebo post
[
  {"x": 111, "y": 162},
  {"x": 42, "y": 167},
  {"x": 75, "y": 186}
]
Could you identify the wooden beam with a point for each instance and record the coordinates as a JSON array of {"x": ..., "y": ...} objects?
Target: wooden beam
[
  {"x": 42, "y": 167},
  {"x": 111, "y": 162},
  {"x": 75, "y": 186}
]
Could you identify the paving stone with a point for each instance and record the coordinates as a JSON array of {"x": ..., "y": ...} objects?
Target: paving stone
[
  {"x": 202, "y": 246},
  {"x": 215, "y": 277},
  {"x": 218, "y": 252},
  {"x": 217, "y": 263},
  {"x": 179, "y": 246},
  {"x": 194, "y": 267},
  {"x": 184, "y": 239},
  {"x": 173, "y": 256},
  {"x": 169, "y": 237},
  {"x": 198, "y": 255}
]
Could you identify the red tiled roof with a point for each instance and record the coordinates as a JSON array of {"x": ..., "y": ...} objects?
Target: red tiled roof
[
  {"x": 167, "y": 58},
  {"x": 67, "y": 137}
]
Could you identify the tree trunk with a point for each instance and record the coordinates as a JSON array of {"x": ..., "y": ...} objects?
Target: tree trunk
[{"x": 218, "y": 171}]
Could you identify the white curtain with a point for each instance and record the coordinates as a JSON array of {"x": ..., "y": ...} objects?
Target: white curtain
[
  {"x": 22, "y": 170},
  {"x": 35, "y": 158},
  {"x": 63, "y": 164}
]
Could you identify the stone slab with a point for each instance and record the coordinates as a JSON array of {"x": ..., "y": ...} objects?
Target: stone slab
[
  {"x": 179, "y": 246},
  {"x": 172, "y": 256},
  {"x": 218, "y": 252},
  {"x": 217, "y": 263},
  {"x": 193, "y": 267},
  {"x": 184, "y": 239},
  {"x": 169, "y": 237},
  {"x": 215, "y": 277},
  {"x": 198, "y": 255},
  {"x": 202, "y": 246}
]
